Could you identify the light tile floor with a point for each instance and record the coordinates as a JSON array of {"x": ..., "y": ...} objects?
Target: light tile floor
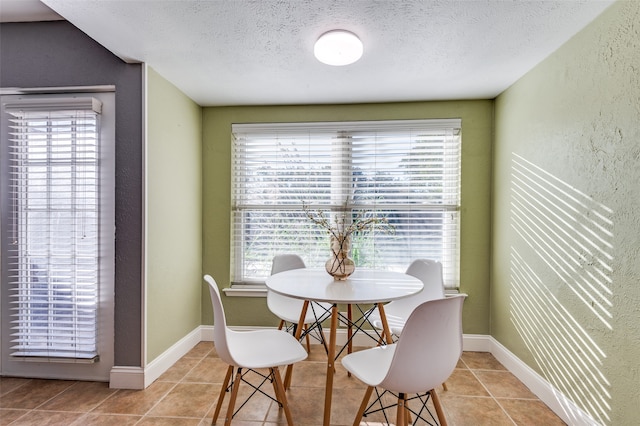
[{"x": 480, "y": 392}]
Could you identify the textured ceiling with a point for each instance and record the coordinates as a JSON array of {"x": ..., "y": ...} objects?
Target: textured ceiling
[{"x": 244, "y": 52}]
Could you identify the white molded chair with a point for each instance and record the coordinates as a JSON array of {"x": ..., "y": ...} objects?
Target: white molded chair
[
  {"x": 251, "y": 350},
  {"x": 423, "y": 357},
  {"x": 288, "y": 309},
  {"x": 430, "y": 273}
]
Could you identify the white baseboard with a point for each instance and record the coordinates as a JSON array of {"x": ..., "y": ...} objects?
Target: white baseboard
[
  {"x": 122, "y": 377},
  {"x": 138, "y": 378},
  {"x": 566, "y": 409},
  {"x": 476, "y": 343}
]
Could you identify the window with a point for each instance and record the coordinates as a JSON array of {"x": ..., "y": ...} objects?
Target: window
[
  {"x": 406, "y": 171},
  {"x": 57, "y": 252}
]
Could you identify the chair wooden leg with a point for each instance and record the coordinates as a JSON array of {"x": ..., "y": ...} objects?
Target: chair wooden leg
[
  {"x": 234, "y": 395},
  {"x": 363, "y": 406},
  {"x": 281, "y": 325},
  {"x": 401, "y": 410},
  {"x": 386, "y": 332},
  {"x": 223, "y": 392},
  {"x": 281, "y": 394},
  {"x": 444, "y": 386},
  {"x": 275, "y": 386},
  {"x": 438, "y": 407}
]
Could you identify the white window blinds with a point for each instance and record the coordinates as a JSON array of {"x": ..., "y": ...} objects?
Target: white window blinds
[
  {"x": 406, "y": 171},
  {"x": 53, "y": 252}
]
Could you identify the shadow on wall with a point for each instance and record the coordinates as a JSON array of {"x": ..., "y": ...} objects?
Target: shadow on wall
[{"x": 561, "y": 283}]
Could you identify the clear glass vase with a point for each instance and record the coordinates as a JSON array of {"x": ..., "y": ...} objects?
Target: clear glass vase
[{"x": 340, "y": 265}]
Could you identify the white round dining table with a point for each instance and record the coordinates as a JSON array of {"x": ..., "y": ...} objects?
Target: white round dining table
[{"x": 364, "y": 286}]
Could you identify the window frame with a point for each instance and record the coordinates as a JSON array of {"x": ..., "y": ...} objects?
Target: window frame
[
  {"x": 243, "y": 129},
  {"x": 82, "y": 366}
]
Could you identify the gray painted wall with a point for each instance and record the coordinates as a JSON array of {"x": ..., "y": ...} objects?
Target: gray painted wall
[{"x": 54, "y": 54}]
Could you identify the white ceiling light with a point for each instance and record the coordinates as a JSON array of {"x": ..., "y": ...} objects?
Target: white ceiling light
[{"x": 338, "y": 47}]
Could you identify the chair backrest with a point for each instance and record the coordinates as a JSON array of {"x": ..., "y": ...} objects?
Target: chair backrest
[
  {"x": 219, "y": 322},
  {"x": 278, "y": 303},
  {"x": 429, "y": 347},
  {"x": 285, "y": 262},
  {"x": 430, "y": 273}
]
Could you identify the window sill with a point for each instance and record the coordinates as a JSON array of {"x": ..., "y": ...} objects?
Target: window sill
[
  {"x": 258, "y": 290},
  {"x": 246, "y": 291}
]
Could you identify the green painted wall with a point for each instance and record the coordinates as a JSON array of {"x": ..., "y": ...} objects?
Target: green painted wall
[
  {"x": 173, "y": 179},
  {"x": 565, "y": 297},
  {"x": 476, "y": 175}
]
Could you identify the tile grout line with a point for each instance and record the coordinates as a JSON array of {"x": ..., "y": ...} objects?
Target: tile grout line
[
  {"x": 30, "y": 410},
  {"x": 88, "y": 412},
  {"x": 214, "y": 400},
  {"x": 143, "y": 416},
  {"x": 175, "y": 384},
  {"x": 182, "y": 380},
  {"x": 35, "y": 409},
  {"x": 26, "y": 411},
  {"x": 473, "y": 372}
]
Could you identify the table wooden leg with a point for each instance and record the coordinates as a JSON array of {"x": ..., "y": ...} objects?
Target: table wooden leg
[
  {"x": 303, "y": 314},
  {"x": 385, "y": 325},
  {"x": 401, "y": 410},
  {"x": 349, "y": 332},
  {"x": 331, "y": 358}
]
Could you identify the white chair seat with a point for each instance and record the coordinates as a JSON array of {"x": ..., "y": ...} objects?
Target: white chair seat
[
  {"x": 264, "y": 348},
  {"x": 370, "y": 366}
]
